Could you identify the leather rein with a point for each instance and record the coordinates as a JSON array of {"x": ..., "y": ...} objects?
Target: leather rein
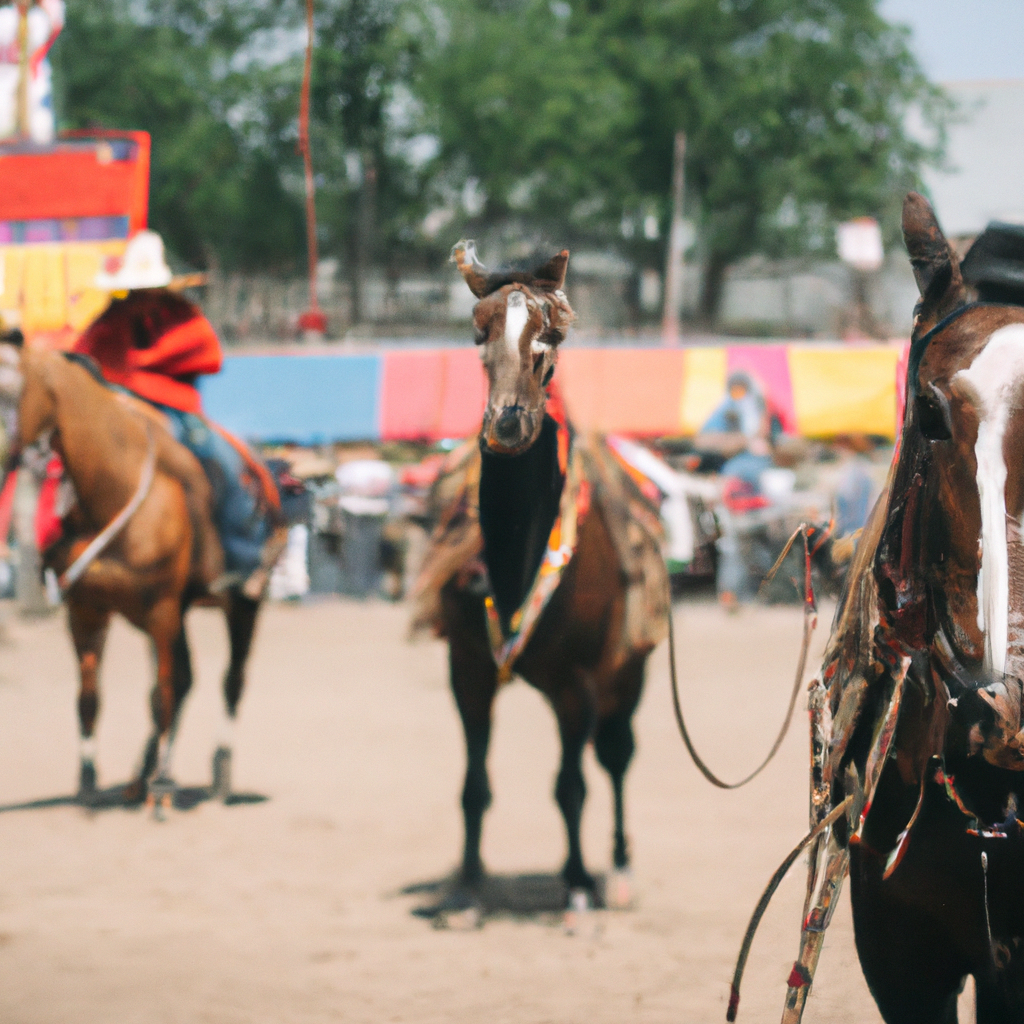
[{"x": 810, "y": 621}]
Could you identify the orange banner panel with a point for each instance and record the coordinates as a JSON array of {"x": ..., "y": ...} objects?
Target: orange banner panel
[{"x": 622, "y": 390}]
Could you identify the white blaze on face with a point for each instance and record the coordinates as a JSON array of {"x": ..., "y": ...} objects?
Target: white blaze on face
[
  {"x": 516, "y": 316},
  {"x": 995, "y": 379}
]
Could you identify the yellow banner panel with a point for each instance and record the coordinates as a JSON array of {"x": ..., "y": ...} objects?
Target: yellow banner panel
[
  {"x": 50, "y": 285},
  {"x": 844, "y": 390},
  {"x": 44, "y": 289},
  {"x": 85, "y": 260},
  {"x": 704, "y": 373}
]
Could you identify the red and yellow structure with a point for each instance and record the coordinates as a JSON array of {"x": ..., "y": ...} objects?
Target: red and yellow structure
[{"x": 67, "y": 210}]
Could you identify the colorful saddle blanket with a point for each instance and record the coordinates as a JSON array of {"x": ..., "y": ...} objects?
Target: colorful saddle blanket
[{"x": 594, "y": 476}]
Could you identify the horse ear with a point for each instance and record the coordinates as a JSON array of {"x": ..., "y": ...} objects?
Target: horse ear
[
  {"x": 550, "y": 276},
  {"x": 473, "y": 271},
  {"x": 936, "y": 265}
]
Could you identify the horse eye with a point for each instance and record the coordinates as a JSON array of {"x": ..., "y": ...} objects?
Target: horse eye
[{"x": 933, "y": 415}]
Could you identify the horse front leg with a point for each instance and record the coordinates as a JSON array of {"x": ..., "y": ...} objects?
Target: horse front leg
[
  {"x": 575, "y": 712},
  {"x": 241, "y": 613},
  {"x": 88, "y": 627},
  {"x": 474, "y": 684}
]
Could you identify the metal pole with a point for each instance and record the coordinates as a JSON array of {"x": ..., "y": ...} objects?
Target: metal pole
[
  {"x": 311, "y": 244},
  {"x": 22, "y": 115},
  {"x": 674, "y": 259}
]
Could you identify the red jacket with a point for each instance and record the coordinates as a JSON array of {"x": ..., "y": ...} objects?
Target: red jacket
[{"x": 155, "y": 343}]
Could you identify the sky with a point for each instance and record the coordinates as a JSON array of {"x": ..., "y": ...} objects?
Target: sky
[{"x": 957, "y": 40}]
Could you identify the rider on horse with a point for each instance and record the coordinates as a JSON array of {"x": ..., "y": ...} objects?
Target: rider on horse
[{"x": 154, "y": 343}]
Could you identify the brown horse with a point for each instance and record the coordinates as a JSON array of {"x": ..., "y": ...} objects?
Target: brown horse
[
  {"x": 116, "y": 454},
  {"x": 578, "y": 650},
  {"x": 917, "y": 731}
]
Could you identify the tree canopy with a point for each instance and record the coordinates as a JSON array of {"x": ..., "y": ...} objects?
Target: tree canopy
[{"x": 515, "y": 119}]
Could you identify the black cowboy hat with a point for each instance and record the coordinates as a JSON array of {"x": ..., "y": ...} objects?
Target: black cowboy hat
[{"x": 994, "y": 264}]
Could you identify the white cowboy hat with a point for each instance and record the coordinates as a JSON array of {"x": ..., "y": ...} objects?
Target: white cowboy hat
[{"x": 142, "y": 266}]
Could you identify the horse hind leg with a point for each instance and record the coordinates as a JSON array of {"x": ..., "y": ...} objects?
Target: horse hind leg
[
  {"x": 614, "y": 746},
  {"x": 88, "y": 633},
  {"x": 241, "y": 615},
  {"x": 173, "y": 681}
]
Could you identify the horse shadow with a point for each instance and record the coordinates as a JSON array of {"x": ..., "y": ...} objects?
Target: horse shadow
[
  {"x": 532, "y": 896},
  {"x": 186, "y": 798}
]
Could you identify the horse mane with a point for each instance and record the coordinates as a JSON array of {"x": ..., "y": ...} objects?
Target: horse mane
[{"x": 544, "y": 273}]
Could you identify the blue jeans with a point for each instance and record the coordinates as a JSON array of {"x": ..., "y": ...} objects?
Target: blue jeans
[{"x": 241, "y": 522}]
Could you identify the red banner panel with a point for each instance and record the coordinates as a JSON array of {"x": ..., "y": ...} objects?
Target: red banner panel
[{"x": 93, "y": 174}]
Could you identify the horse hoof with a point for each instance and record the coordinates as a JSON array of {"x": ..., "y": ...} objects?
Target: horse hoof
[
  {"x": 221, "y": 788},
  {"x": 160, "y": 796},
  {"x": 577, "y": 915},
  {"x": 468, "y": 919},
  {"x": 618, "y": 890},
  {"x": 459, "y": 911}
]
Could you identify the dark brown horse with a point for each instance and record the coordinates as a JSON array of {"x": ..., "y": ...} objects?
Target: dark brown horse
[
  {"x": 917, "y": 728},
  {"x": 577, "y": 651},
  {"x": 118, "y": 457}
]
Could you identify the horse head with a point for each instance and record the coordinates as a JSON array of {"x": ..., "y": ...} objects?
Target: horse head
[
  {"x": 521, "y": 318},
  {"x": 950, "y": 564}
]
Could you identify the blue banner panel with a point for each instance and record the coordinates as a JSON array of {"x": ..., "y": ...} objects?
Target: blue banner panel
[{"x": 305, "y": 399}]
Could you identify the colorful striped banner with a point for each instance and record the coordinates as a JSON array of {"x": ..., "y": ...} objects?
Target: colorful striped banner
[{"x": 817, "y": 390}]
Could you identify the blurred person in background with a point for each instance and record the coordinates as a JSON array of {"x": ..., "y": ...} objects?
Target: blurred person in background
[
  {"x": 738, "y": 434},
  {"x": 289, "y": 580},
  {"x": 45, "y": 21},
  {"x": 367, "y": 488}
]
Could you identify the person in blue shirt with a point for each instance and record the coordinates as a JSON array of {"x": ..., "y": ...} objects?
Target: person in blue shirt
[{"x": 741, "y": 419}]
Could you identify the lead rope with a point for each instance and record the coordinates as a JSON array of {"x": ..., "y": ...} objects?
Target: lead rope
[
  {"x": 97, "y": 545},
  {"x": 762, "y": 904},
  {"x": 810, "y": 621},
  {"x": 988, "y": 919}
]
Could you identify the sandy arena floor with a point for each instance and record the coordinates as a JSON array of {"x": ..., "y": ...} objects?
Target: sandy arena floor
[{"x": 292, "y": 909}]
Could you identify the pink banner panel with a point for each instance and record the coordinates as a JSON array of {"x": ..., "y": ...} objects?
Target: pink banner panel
[
  {"x": 619, "y": 390},
  {"x": 769, "y": 366},
  {"x": 432, "y": 393}
]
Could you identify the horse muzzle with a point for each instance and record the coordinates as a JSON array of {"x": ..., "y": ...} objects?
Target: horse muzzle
[{"x": 509, "y": 430}]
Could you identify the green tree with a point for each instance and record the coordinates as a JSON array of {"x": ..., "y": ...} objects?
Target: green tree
[
  {"x": 364, "y": 116},
  {"x": 533, "y": 128},
  {"x": 220, "y": 115},
  {"x": 796, "y": 115}
]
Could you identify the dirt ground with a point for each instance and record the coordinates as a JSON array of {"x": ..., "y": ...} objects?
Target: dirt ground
[{"x": 292, "y": 909}]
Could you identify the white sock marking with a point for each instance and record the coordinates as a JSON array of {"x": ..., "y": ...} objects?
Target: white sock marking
[
  {"x": 226, "y": 731},
  {"x": 87, "y": 749},
  {"x": 165, "y": 747},
  {"x": 994, "y": 377},
  {"x": 516, "y": 316}
]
